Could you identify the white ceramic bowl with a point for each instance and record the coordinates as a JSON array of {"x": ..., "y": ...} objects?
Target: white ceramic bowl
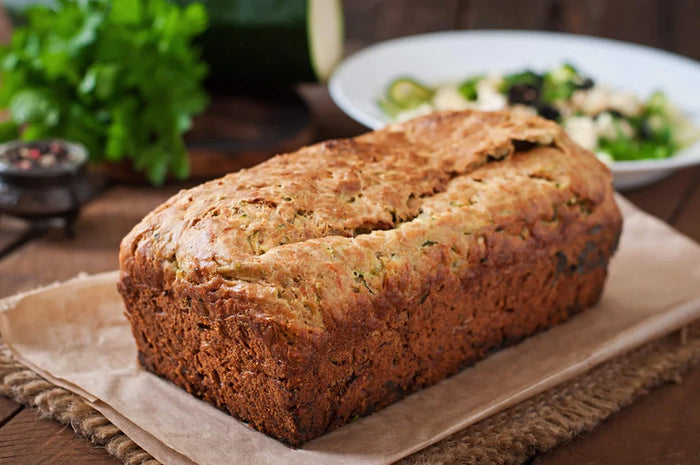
[{"x": 361, "y": 79}]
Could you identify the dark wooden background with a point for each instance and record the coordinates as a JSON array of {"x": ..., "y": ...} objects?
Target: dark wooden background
[{"x": 669, "y": 24}]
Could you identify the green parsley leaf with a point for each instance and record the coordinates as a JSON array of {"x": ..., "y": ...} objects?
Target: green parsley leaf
[{"x": 122, "y": 77}]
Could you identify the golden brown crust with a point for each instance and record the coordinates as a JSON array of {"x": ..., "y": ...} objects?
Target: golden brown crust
[{"x": 332, "y": 281}]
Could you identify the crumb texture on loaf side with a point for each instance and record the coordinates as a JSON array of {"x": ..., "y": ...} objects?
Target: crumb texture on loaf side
[{"x": 330, "y": 282}]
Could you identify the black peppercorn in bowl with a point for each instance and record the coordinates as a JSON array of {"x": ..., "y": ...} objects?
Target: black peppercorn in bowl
[{"x": 43, "y": 179}]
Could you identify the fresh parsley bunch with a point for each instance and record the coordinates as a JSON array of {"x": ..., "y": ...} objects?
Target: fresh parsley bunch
[{"x": 120, "y": 76}]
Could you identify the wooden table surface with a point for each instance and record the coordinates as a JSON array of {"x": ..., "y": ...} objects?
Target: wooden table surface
[{"x": 661, "y": 428}]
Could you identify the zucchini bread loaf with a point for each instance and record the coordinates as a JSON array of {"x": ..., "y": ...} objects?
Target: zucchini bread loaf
[{"x": 330, "y": 282}]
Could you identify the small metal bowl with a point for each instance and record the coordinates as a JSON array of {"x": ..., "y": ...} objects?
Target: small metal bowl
[{"x": 39, "y": 194}]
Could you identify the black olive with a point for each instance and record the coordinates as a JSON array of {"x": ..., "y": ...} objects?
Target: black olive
[
  {"x": 645, "y": 132},
  {"x": 549, "y": 112},
  {"x": 523, "y": 93},
  {"x": 586, "y": 84}
]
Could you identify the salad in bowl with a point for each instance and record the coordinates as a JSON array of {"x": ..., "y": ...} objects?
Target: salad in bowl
[{"x": 615, "y": 125}]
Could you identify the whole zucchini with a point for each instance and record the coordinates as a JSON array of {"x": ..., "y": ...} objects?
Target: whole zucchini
[{"x": 272, "y": 41}]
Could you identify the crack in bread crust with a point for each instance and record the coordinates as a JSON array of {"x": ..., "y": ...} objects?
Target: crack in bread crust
[{"x": 428, "y": 245}]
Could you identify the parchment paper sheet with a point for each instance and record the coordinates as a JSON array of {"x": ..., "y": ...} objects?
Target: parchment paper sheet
[{"x": 76, "y": 336}]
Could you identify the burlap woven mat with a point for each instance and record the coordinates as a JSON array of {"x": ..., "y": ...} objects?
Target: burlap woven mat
[{"x": 510, "y": 437}]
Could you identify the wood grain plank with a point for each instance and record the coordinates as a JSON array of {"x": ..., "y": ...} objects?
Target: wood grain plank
[
  {"x": 661, "y": 198},
  {"x": 329, "y": 121},
  {"x": 8, "y": 409},
  {"x": 13, "y": 232},
  {"x": 99, "y": 230},
  {"x": 660, "y": 428},
  {"x": 669, "y": 24},
  {"x": 682, "y": 26},
  {"x": 687, "y": 220},
  {"x": 506, "y": 14},
  {"x": 28, "y": 440},
  {"x": 640, "y": 21},
  {"x": 369, "y": 21}
]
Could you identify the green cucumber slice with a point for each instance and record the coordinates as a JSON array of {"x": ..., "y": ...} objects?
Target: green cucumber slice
[
  {"x": 389, "y": 107},
  {"x": 407, "y": 93}
]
